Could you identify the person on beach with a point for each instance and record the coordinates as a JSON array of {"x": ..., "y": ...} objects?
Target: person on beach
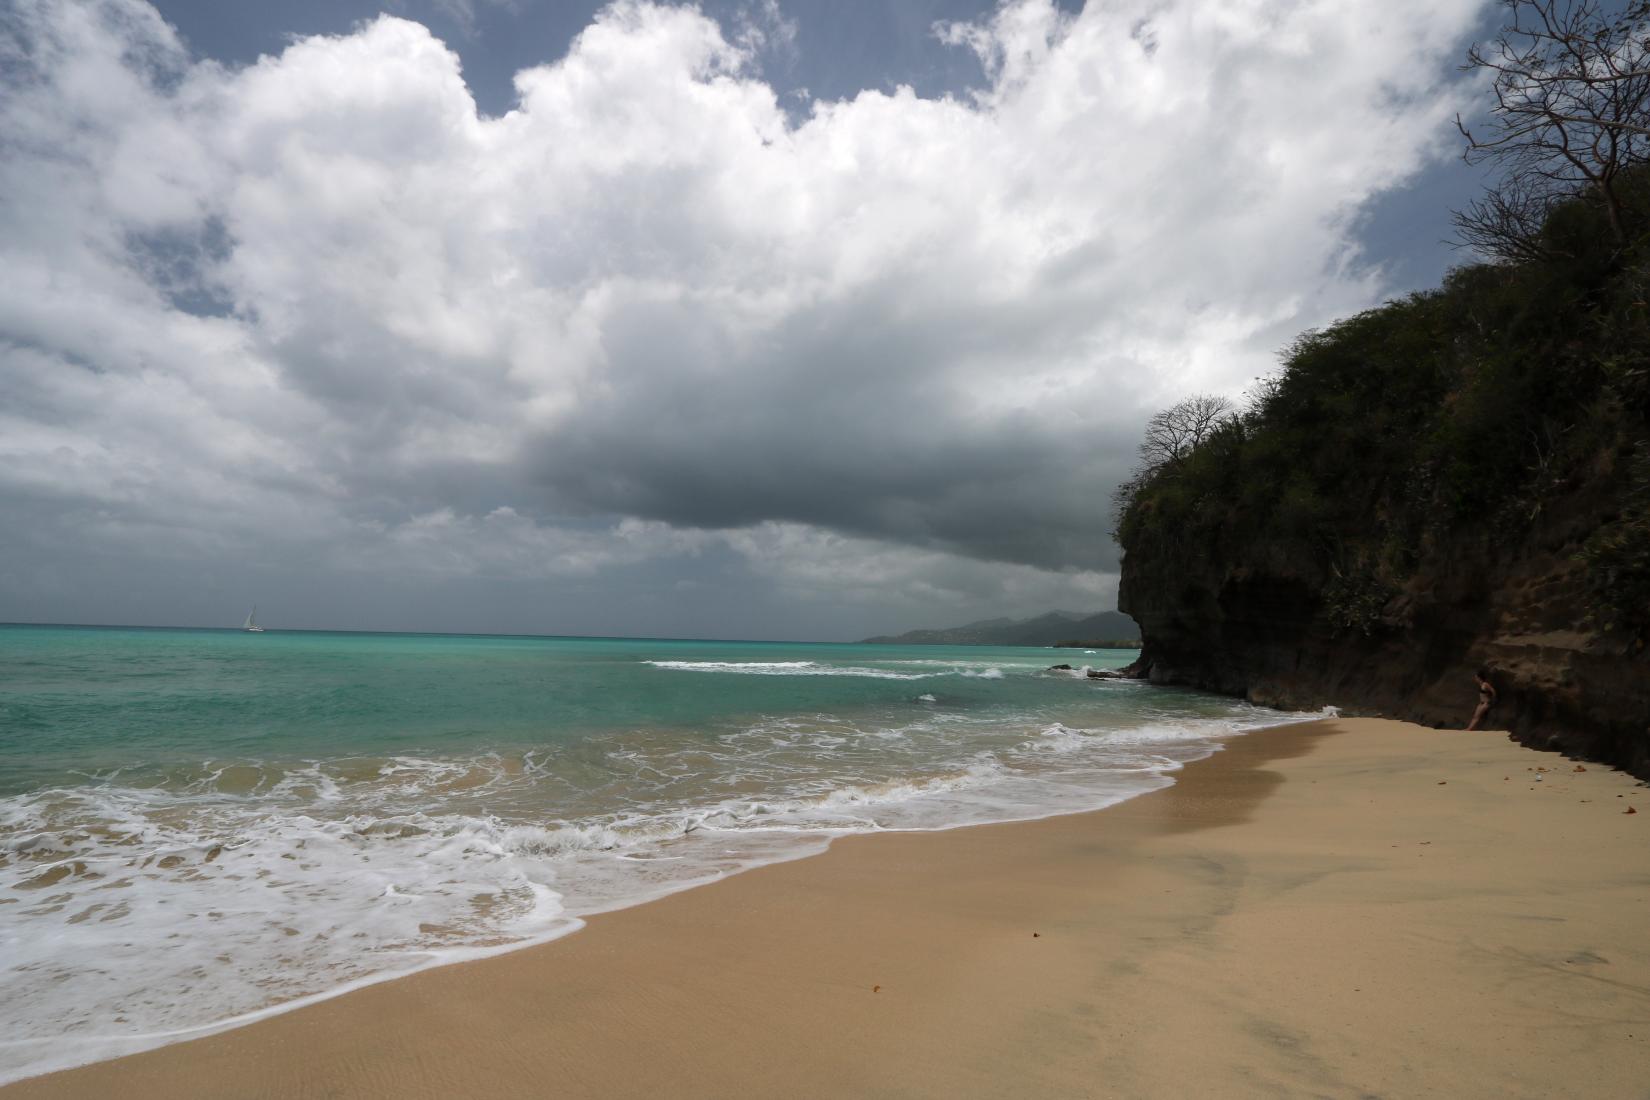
[{"x": 1486, "y": 697}]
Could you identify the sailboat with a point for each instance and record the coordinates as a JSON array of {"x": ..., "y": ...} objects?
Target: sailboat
[{"x": 252, "y": 621}]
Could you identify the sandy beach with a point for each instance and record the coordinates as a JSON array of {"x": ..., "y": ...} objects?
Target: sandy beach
[{"x": 1344, "y": 908}]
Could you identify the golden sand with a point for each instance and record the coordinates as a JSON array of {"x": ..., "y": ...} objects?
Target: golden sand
[{"x": 1346, "y": 908}]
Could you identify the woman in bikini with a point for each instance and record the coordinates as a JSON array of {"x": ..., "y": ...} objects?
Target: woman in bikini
[{"x": 1486, "y": 697}]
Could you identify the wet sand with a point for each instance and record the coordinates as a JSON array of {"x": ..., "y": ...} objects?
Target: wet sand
[{"x": 1343, "y": 908}]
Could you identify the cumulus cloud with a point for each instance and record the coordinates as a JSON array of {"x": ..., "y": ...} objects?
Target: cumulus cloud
[{"x": 320, "y": 304}]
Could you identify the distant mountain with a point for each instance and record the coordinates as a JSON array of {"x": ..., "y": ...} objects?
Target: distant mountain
[{"x": 1056, "y": 626}]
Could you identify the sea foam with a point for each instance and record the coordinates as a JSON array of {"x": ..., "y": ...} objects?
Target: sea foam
[
  {"x": 791, "y": 668},
  {"x": 152, "y": 903}
]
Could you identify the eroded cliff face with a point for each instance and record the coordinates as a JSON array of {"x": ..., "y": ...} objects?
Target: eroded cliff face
[
  {"x": 1454, "y": 479},
  {"x": 1261, "y": 631}
]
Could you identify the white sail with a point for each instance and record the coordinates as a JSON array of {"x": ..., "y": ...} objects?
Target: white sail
[{"x": 252, "y": 621}]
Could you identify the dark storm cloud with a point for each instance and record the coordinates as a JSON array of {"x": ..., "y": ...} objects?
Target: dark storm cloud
[
  {"x": 662, "y": 319},
  {"x": 854, "y": 417}
]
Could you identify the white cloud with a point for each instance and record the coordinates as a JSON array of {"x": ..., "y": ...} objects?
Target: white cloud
[{"x": 319, "y": 302}]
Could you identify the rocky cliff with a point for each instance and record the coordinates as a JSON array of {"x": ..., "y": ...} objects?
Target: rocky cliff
[
  {"x": 1261, "y": 631},
  {"x": 1455, "y": 480}
]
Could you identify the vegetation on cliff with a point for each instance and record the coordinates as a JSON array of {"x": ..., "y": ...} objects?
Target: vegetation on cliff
[
  {"x": 1457, "y": 478},
  {"x": 1458, "y": 413},
  {"x": 1461, "y": 413}
]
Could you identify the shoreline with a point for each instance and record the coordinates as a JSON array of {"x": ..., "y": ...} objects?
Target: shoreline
[
  {"x": 893, "y": 963},
  {"x": 801, "y": 845},
  {"x": 456, "y": 957}
]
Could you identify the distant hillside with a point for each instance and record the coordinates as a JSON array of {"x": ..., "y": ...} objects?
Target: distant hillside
[{"x": 1056, "y": 626}]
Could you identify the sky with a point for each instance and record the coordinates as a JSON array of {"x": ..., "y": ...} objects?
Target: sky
[{"x": 800, "y": 319}]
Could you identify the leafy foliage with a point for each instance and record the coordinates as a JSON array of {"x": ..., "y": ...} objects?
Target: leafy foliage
[
  {"x": 1618, "y": 557},
  {"x": 1452, "y": 418}
]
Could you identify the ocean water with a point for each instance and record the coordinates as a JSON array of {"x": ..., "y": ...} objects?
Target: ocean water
[{"x": 199, "y": 827}]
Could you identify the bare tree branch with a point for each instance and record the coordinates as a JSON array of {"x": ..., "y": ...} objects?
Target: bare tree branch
[
  {"x": 1572, "y": 112},
  {"x": 1171, "y": 436},
  {"x": 1506, "y": 222},
  {"x": 1623, "y": 127},
  {"x": 1175, "y": 432}
]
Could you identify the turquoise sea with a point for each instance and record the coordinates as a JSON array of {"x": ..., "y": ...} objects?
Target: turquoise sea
[{"x": 202, "y": 826}]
